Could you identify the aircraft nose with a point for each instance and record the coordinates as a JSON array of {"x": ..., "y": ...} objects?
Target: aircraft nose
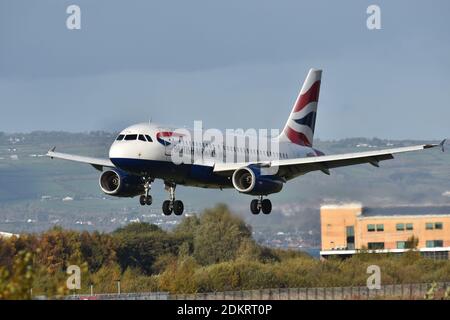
[{"x": 115, "y": 151}]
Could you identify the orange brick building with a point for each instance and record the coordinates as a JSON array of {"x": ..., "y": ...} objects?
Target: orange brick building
[{"x": 347, "y": 228}]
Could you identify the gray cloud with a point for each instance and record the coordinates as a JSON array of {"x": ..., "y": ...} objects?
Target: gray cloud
[{"x": 178, "y": 61}]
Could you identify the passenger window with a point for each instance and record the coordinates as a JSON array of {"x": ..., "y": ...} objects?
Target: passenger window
[
  {"x": 120, "y": 137},
  {"x": 129, "y": 137},
  {"x": 142, "y": 138},
  {"x": 149, "y": 139}
]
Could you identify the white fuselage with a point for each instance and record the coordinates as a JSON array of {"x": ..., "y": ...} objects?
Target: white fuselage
[{"x": 182, "y": 156}]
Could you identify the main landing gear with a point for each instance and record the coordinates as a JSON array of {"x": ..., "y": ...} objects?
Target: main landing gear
[
  {"x": 260, "y": 204},
  {"x": 146, "y": 198},
  {"x": 172, "y": 205},
  {"x": 168, "y": 206}
]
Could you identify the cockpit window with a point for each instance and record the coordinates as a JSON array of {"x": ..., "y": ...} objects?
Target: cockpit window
[
  {"x": 149, "y": 139},
  {"x": 131, "y": 137},
  {"x": 120, "y": 137},
  {"x": 142, "y": 138}
]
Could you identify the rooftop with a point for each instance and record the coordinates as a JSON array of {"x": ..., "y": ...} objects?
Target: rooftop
[
  {"x": 405, "y": 211},
  {"x": 390, "y": 211},
  {"x": 7, "y": 234},
  {"x": 353, "y": 205}
]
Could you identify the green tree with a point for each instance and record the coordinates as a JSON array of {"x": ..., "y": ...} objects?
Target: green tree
[
  {"x": 219, "y": 235},
  {"x": 133, "y": 280},
  {"x": 140, "y": 246},
  {"x": 249, "y": 250},
  {"x": 97, "y": 249},
  {"x": 412, "y": 243},
  {"x": 179, "y": 276},
  {"x": 138, "y": 228},
  {"x": 105, "y": 279},
  {"x": 188, "y": 226},
  {"x": 16, "y": 284}
]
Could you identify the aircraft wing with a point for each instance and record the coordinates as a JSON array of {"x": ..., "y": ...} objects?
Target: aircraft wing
[
  {"x": 97, "y": 163},
  {"x": 291, "y": 168}
]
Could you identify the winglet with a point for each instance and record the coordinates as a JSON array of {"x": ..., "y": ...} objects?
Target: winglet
[{"x": 442, "y": 144}]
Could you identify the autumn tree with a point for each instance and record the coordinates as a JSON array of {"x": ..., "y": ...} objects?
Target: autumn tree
[
  {"x": 139, "y": 245},
  {"x": 219, "y": 235},
  {"x": 17, "y": 282}
]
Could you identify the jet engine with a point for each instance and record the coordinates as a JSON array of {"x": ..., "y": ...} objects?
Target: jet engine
[
  {"x": 250, "y": 181},
  {"x": 120, "y": 184}
]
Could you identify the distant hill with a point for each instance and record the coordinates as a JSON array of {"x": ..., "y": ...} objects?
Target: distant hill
[{"x": 32, "y": 187}]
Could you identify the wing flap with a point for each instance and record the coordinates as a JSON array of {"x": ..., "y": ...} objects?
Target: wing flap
[{"x": 294, "y": 167}]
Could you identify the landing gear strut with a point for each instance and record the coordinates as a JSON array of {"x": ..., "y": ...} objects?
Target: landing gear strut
[
  {"x": 172, "y": 205},
  {"x": 146, "y": 198},
  {"x": 260, "y": 204}
]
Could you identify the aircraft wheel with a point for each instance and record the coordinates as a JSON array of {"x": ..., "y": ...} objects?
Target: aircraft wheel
[
  {"x": 254, "y": 207},
  {"x": 148, "y": 200},
  {"x": 142, "y": 200},
  {"x": 178, "y": 207},
  {"x": 266, "y": 206},
  {"x": 167, "y": 208}
]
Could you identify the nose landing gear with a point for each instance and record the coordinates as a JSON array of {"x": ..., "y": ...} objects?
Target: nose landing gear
[
  {"x": 260, "y": 204},
  {"x": 172, "y": 205},
  {"x": 146, "y": 198}
]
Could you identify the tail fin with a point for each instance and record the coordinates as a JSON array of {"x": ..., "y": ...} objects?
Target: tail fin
[{"x": 299, "y": 128}]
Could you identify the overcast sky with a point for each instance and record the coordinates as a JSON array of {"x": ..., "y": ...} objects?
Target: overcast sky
[{"x": 232, "y": 64}]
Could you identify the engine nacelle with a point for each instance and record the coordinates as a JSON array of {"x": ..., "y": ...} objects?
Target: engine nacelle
[
  {"x": 120, "y": 184},
  {"x": 250, "y": 181}
]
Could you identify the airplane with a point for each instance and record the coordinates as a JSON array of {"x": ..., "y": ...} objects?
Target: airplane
[{"x": 144, "y": 152}]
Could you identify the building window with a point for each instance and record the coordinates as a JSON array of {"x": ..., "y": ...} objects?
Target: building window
[
  {"x": 434, "y": 243},
  {"x": 350, "y": 231},
  {"x": 403, "y": 226},
  {"x": 435, "y": 225},
  {"x": 401, "y": 244},
  {"x": 373, "y": 227},
  {"x": 375, "y": 245}
]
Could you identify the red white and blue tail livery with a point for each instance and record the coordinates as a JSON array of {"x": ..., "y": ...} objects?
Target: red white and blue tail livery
[
  {"x": 144, "y": 152},
  {"x": 299, "y": 128}
]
